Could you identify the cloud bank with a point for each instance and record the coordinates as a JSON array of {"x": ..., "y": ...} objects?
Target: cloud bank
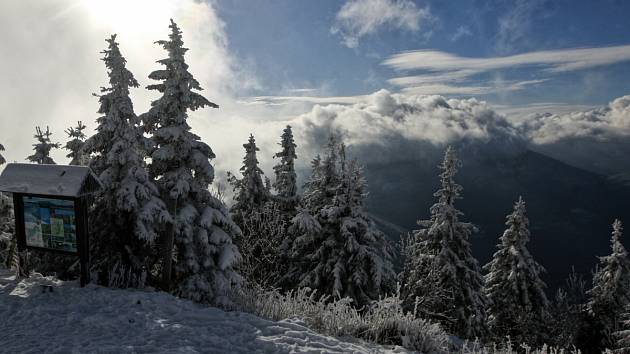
[
  {"x": 390, "y": 127},
  {"x": 386, "y": 119},
  {"x": 359, "y": 18},
  {"x": 602, "y": 124}
]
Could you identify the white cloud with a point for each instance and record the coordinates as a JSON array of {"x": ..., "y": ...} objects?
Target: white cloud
[
  {"x": 389, "y": 127},
  {"x": 461, "y": 32},
  {"x": 382, "y": 117},
  {"x": 51, "y": 64},
  {"x": 358, "y": 18},
  {"x": 552, "y": 61},
  {"x": 519, "y": 113},
  {"x": 493, "y": 87},
  {"x": 446, "y": 77},
  {"x": 601, "y": 123},
  {"x": 308, "y": 99},
  {"x": 444, "y": 89},
  {"x": 303, "y": 90},
  {"x": 443, "y": 70},
  {"x": 515, "y": 26}
]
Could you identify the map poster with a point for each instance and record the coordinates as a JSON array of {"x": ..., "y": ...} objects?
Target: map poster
[{"x": 50, "y": 223}]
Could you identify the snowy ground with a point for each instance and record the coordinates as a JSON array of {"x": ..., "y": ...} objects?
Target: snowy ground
[{"x": 96, "y": 319}]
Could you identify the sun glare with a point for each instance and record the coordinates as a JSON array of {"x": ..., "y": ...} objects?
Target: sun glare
[{"x": 130, "y": 15}]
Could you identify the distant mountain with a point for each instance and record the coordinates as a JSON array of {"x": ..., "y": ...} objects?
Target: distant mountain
[
  {"x": 609, "y": 157},
  {"x": 570, "y": 209}
]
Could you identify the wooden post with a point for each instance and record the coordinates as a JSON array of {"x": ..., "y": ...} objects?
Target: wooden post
[
  {"x": 18, "y": 205},
  {"x": 83, "y": 242}
]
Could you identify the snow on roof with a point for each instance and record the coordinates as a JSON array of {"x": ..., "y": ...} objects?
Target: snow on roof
[{"x": 53, "y": 180}]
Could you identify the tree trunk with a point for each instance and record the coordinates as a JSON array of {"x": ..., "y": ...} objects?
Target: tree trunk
[{"x": 168, "y": 239}]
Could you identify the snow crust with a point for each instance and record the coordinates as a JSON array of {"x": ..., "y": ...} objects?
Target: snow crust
[
  {"x": 95, "y": 319},
  {"x": 57, "y": 180}
]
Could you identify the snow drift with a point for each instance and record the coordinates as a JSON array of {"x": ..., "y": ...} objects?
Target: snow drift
[{"x": 102, "y": 320}]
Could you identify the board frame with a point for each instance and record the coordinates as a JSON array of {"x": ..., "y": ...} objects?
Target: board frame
[{"x": 82, "y": 232}]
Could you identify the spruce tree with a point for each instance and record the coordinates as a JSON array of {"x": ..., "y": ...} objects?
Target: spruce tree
[
  {"x": 2, "y": 160},
  {"x": 518, "y": 306},
  {"x": 338, "y": 250},
  {"x": 321, "y": 186},
  {"x": 43, "y": 147},
  {"x": 200, "y": 236},
  {"x": 610, "y": 293},
  {"x": 442, "y": 246},
  {"x": 7, "y": 240},
  {"x": 8, "y": 244},
  {"x": 622, "y": 336},
  {"x": 127, "y": 211},
  {"x": 77, "y": 156},
  {"x": 250, "y": 191},
  {"x": 567, "y": 315},
  {"x": 286, "y": 179}
]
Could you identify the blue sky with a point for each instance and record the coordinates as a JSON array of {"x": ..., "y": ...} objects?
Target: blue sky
[
  {"x": 292, "y": 46},
  {"x": 267, "y": 62}
]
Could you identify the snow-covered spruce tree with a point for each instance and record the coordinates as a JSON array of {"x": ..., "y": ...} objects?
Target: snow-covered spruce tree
[
  {"x": 43, "y": 147},
  {"x": 567, "y": 315},
  {"x": 338, "y": 250},
  {"x": 200, "y": 236},
  {"x": 622, "y": 336},
  {"x": 127, "y": 212},
  {"x": 2, "y": 160},
  {"x": 8, "y": 245},
  {"x": 7, "y": 226},
  {"x": 443, "y": 242},
  {"x": 263, "y": 222},
  {"x": 319, "y": 189},
  {"x": 286, "y": 179},
  {"x": 304, "y": 226},
  {"x": 428, "y": 294},
  {"x": 77, "y": 156},
  {"x": 250, "y": 192},
  {"x": 518, "y": 306},
  {"x": 321, "y": 186},
  {"x": 610, "y": 293}
]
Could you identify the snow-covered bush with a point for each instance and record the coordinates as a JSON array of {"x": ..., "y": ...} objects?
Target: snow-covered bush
[
  {"x": 383, "y": 322},
  {"x": 264, "y": 231},
  {"x": 507, "y": 347}
]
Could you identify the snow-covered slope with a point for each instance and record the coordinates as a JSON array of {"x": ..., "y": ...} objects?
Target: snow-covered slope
[{"x": 100, "y": 320}]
